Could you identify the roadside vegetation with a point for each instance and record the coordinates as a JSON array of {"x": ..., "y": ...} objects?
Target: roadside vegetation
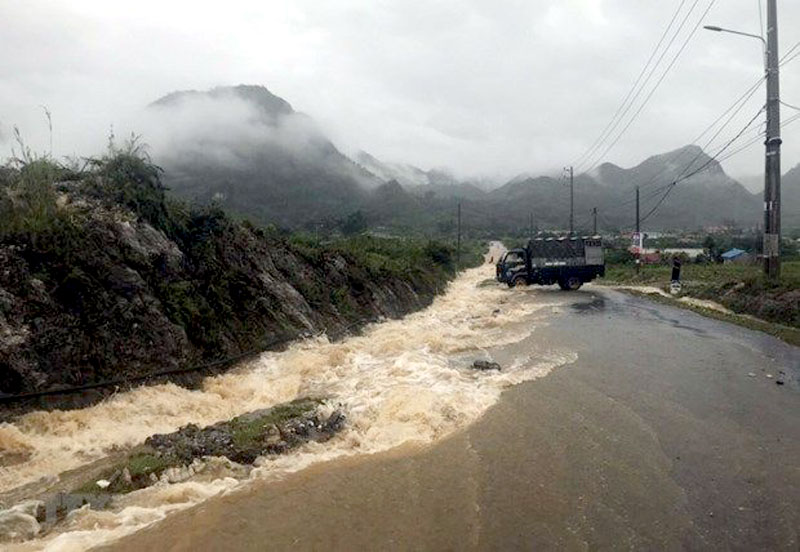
[
  {"x": 243, "y": 439},
  {"x": 740, "y": 288},
  {"x": 106, "y": 276}
]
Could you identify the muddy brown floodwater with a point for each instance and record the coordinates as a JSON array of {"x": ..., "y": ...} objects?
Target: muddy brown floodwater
[{"x": 666, "y": 433}]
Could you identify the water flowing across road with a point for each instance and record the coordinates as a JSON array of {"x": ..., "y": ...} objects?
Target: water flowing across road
[{"x": 400, "y": 381}]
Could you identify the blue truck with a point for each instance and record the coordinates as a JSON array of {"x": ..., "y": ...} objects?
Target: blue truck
[{"x": 569, "y": 262}]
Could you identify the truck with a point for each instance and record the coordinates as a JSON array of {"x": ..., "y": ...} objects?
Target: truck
[{"x": 567, "y": 261}]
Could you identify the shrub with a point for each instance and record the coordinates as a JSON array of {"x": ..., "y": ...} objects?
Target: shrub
[
  {"x": 28, "y": 197},
  {"x": 127, "y": 176}
]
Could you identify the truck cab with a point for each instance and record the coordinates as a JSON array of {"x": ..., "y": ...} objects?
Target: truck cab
[
  {"x": 511, "y": 263},
  {"x": 569, "y": 262}
]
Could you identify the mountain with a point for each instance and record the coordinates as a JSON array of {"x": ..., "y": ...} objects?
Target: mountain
[
  {"x": 249, "y": 150},
  {"x": 433, "y": 183},
  {"x": 790, "y": 198},
  {"x": 754, "y": 182},
  {"x": 405, "y": 175},
  {"x": 708, "y": 197}
]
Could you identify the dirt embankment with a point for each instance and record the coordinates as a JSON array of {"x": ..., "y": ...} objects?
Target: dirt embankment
[{"x": 103, "y": 291}]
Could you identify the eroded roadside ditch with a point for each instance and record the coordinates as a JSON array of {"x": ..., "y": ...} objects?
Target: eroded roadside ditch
[
  {"x": 224, "y": 449},
  {"x": 401, "y": 381}
]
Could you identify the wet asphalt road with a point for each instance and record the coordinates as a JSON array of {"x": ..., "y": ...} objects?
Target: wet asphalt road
[{"x": 656, "y": 438}]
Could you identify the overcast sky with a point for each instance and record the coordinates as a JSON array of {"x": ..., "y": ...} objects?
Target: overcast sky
[{"x": 484, "y": 87}]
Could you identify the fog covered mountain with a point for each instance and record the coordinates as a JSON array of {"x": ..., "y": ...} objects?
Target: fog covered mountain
[
  {"x": 253, "y": 153},
  {"x": 707, "y": 198},
  {"x": 436, "y": 182}
]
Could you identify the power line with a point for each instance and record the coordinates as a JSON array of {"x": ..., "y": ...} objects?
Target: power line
[
  {"x": 723, "y": 127},
  {"x": 658, "y": 83},
  {"x": 790, "y": 106},
  {"x": 223, "y": 362},
  {"x": 740, "y": 102},
  {"x": 618, "y": 206},
  {"x": 787, "y": 61},
  {"x": 667, "y": 189},
  {"x": 758, "y": 138},
  {"x": 724, "y": 148},
  {"x": 594, "y": 160},
  {"x": 702, "y": 168},
  {"x": 788, "y": 52},
  {"x": 660, "y": 201},
  {"x": 600, "y": 139}
]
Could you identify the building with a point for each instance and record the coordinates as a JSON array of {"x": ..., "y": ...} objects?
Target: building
[{"x": 738, "y": 256}]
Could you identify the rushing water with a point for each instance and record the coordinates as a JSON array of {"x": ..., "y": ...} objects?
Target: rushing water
[{"x": 400, "y": 381}]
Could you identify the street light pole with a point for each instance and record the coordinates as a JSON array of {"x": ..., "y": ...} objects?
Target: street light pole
[
  {"x": 772, "y": 172},
  {"x": 772, "y": 178}
]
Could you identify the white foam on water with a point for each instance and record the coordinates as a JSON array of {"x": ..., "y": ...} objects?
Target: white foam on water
[{"x": 400, "y": 381}]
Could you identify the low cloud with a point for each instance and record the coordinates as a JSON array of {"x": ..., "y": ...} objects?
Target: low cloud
[{"x": 481, "y": 87}]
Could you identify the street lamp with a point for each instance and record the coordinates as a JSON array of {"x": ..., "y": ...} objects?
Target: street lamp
[
  {"x": 772, "y": 173},
  {"x": 723, "y": 30},
  {"x": 740, "y": 33}
]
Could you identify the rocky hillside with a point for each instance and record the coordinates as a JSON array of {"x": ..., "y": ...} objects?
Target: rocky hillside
[
  {"x": 252, "y": 153},
  {"x": 708, "y": 198},
  {"x": 103, "y": 278}
]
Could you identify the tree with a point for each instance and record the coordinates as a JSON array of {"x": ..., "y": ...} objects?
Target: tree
[
  {"x": 714, "y": 251},
  {"x": 355, "y": 223}
]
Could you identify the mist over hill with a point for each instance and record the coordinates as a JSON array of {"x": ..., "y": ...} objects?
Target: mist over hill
[
  {"x": 435, "y": 182},
  {"x": 253, "y": 153},
  {"x": 250, "y": 151}
]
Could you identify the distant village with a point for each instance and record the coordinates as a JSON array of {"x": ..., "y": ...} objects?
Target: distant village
[{"x": 724, "y": 244}]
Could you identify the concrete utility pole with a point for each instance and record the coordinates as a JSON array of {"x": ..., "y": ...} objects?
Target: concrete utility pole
[
  {"x": 639, "y": 240},
  {"x": 594, "y": 221},
  {"x": 772, "y": 178},
  {"x": 772, "y": 173},
  {"x": 571, "y": 201},
  {"x": 458, "y": 240}
]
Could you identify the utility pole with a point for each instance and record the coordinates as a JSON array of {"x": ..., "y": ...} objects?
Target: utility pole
[
  {"x": 594, "y": 221},
  {"x": 639, "y": 240},
  {"x": 772, "y": 177},
  {"x": 458, "y": 240},
  {"x": 571, "y": 201}
]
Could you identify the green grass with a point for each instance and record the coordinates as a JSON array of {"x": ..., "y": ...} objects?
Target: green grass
[
  {"x": 713, "y": 274},
  {"x": 248, "y": 430},
  {"x": 740, "y": 288},
  {"x": 140, "y": 465},
  {"x": 393, "y": 257}
]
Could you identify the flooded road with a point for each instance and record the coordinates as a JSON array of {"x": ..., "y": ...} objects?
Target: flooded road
[
  {"x": 401, "y": 382},
  {"x": 615, "y": 423},
  {"x": 666, "y": 433}
]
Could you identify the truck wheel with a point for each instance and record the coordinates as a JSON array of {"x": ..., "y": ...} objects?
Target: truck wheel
[
  {"x": 518, "y": 282},
  {"x": 570, "y": 284}
]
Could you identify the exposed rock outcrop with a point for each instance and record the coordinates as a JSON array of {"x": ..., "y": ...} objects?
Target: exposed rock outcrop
[{"x": 114, "y": 288}]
